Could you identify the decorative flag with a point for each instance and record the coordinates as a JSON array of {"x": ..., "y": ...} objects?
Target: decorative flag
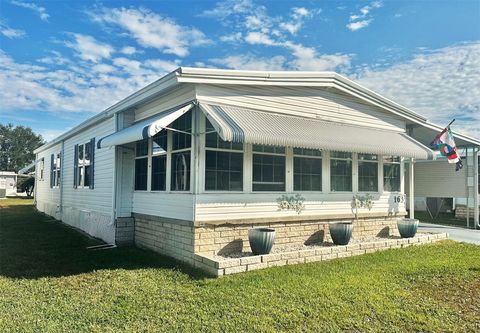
[{"x": 445, "y": 144}]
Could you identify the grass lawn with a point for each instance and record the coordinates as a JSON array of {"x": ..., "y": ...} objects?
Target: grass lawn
[
  {"x": 443, "y": 218},
  {"x": 49, "y": 282}
]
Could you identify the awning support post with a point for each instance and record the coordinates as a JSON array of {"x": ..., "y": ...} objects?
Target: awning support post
[{"x": 411, "y": 189}]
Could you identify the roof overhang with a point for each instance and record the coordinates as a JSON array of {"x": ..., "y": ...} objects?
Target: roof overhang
[{"x": 184, "y": 75}]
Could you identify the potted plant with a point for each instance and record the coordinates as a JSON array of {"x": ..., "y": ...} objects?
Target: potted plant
[
  {"x": 341, "y": 232},
  {"x": 407, "y": 227},
  {"x": 261, "y": 240}
]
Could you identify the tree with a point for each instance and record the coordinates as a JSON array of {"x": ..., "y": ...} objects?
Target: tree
[{"x": 16, "y": 146}]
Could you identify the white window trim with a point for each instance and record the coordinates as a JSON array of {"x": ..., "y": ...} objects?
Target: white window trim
[
  {"x": 287, "y": 170},
  {"x": 169, "y": 152},
  {"x": 41, "y": 169},
  {"x": 321, "y": 157},
  {"x": 82, "y": 165},
  {"x": 56, "y": 168},
  {"x": 402, "y": 184},
  {"x": 378, "y": 172},
  {"x": 354, "y": 174}
]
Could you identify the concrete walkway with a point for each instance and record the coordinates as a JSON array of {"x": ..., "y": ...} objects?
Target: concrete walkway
[{"x": 455, "y": 233}]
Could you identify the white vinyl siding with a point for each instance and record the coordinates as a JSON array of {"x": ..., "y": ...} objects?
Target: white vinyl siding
[
  {"x": 47, "y": 198},
  {"x": 317, "y": 103}
]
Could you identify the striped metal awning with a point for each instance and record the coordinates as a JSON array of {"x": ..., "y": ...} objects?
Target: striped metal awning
[
  {"x": 265, "y": 128},
  {"x": 144, "y": 128}
]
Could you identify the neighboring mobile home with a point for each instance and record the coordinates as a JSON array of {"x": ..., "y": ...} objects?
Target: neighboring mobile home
[
  {"x": 191, "y": 162},
  {"x": 8, "y": 183}
]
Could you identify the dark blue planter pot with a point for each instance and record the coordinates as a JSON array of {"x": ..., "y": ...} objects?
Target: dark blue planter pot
[
  {"x": 407, "y": 227},
  {"x": 261, "y": 240},
  {"x": 341, "y": 233}
]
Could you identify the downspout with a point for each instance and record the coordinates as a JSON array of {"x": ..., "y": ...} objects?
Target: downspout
[
  {"x": 468, "y": 191},
  {"x": 36, "y": 180},
  {"x": 114, "y": 188},
  {"x": 62, "y": 175},
  {"x": 411, "y": 188}
]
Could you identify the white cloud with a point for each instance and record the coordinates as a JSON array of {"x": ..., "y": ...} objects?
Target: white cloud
[
  {"x": 150, "y": 29},
  {"x": 41, "y": 11},
  {"x": 250, "y": 62},
  {"x": 440, "y": 84},
  {"x": 223, "y": 9},
  {"x": 307, "y": 59},
  {"x": 354, "y": 26},
  {"x": 88, "y": 48},
  {"x": 80, "y": 86},
  {"x": 50, "y": 134},
  {"x": 235, "y": 37},
  {"x": 129, "y": 50},
  {"x": 10, "y": 32},
  {"x": 299, "y": 14},
  {"x": 259, "y": 38},
  {"x": 363, "y": 19}
]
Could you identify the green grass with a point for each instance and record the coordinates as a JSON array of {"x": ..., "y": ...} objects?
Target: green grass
[
  {"x": 443, "y": 219},
  {"x": 49, "y": 282}
]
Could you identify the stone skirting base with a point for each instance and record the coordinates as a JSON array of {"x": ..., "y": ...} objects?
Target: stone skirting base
[
  {"x": 224, "y": 239},
  {"x": 219, "y": 267},
  {"x": 173, "y": 238},
  {"x": 461, "y": 212}
]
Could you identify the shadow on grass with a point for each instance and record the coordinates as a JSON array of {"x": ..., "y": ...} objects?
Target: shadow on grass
[{"x": 34, "y": 245}]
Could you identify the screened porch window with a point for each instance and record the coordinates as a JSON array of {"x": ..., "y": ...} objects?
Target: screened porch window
[
  {"x": 307, "y": 169},
  {"x": 340, "y": 171},
  {"x": 268, "y": 168},
  {"x": 391, "y": 173},
  {"x": 367, "y": 173},
  {"x": 141, "y": 165},
  {"x": 181, "y": 151},
  {"x": 159, "y": 161},
  {"x": 223, "y": 163}
]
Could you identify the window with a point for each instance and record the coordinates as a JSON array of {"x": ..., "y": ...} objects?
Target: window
[
  {"x": 141, "y": 165},
  {"x": 268, "y": 168},
  {"x": 181, "y": 148},
  {"x": 367, "y": 173},
  {"x": 84, "y": 164},
  {"x": 55, "y": 174},
  {"x": 307, "y": 169},
  {"x": 391, "y": 173},
  {"x": 340, "y": 171},
  {"x": 223, "y": 163},
  {"x": 159, "y": 161},
  {"x": 41, "y": 168}
]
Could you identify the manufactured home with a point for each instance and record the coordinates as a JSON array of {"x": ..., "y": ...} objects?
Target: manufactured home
[
  {"x": 190, "y": 163},
  {"x": 8, "y": 183}
]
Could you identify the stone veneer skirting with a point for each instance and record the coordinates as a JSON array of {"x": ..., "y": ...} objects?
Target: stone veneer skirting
[
  {"x": 218, "y": 267},
  {"x": 461, "y": 212},
  {"x": 171, "y": 237},
  {"x": 228, "y": 238},
  {"x": 183, "y": 240}
]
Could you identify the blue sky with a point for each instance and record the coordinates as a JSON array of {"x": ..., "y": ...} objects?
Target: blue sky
[{"x": 63, "y": 61}]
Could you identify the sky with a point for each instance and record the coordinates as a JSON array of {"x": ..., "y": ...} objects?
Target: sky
[{"x": 61, "y": 62}]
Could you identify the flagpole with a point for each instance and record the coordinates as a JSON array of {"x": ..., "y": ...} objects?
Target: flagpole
[{"x": 450, "y": 122}]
